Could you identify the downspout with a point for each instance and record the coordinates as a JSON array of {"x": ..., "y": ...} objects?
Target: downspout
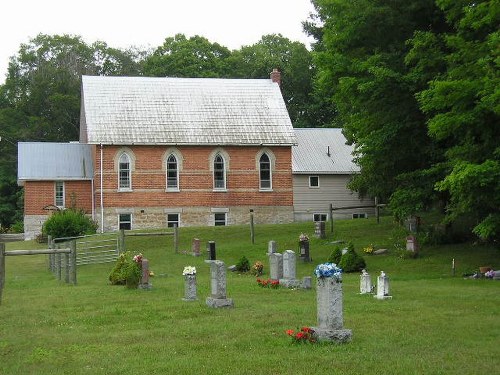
[{"x": 101, "y": 190}]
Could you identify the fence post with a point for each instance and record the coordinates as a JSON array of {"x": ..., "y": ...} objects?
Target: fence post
[
  {"x": 72, "y": 261},
  {"x": 58, "y": 266},
  {"x": 121, "y": 241},
  {"x": 51, "y": 257},
  {"x": 2, "y": 269},
  {"x": 66, "y": 268},
  {"x": 176, "y": 238}
]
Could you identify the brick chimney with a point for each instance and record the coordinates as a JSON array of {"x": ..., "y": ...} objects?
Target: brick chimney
[{"x": 276, "y": 76}]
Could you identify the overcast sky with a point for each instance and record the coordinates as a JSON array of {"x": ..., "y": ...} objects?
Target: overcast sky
[{"x": 146, "y": 23}]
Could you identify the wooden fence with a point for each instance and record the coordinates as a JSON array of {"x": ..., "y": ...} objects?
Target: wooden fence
[{"x": 64, "y": 259}]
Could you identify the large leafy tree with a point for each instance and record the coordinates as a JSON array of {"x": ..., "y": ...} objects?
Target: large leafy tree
[
  {"x": 293, "y": 60},
  {"x": 40, "y": 99},
  {"x": 462, "y": 101},
  {"x": 180, "y": 56},
  {"x": 361, "y": 68}
]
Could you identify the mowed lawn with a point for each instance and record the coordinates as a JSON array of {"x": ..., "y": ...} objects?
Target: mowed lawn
[{"x": 435, "y": 323}]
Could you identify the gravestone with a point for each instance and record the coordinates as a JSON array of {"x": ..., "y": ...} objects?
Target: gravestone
[
  {"x": 276, "y": 266},
  {"x": 412, "y": 244},
  {"x": 211, "y": 250},
  {"x": 195, "y": 247},
  {"x": 365, "y": 283},
  {"x": 144, "y": 283},
  {"x": 271, "y": 247},
  {"x": 190, "y": 292},
  {"x": 304, "y": 250},
  {"x": 319, "y": 229},
  {"x": 307, "y": 282},
  {"x": 218, "y": 296},
  {"x": 289, "y": 265},
  {"x": 383, "y": 287},
  {"x": 330, "y": 312}
]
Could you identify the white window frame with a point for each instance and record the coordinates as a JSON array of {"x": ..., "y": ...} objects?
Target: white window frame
[
  {"x": 56, "y": 194},
  {"x": 172, "y": 188},
  {"x": 120, "y": 221},
  {"x": 322, "y": 214},
  {"x": 311, "y": 186},
  {"x": 224, "y": 172},
  {"x": 178, "y": 221},
  {"x": 129, "y": 172},
  {"x": 219, "y": 221},
  {"x": 360, "y": 215},
  {"x": 261, "y": 180}
]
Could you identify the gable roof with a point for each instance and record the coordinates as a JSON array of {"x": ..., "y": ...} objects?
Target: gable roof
[
  {"x": 201, "y": 111},
  {"x": 310, "y": 155},
  {"x": 54, "y": 161}
]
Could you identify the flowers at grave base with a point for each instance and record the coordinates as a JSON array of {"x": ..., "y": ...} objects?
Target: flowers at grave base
[
  {"x": 369, "y": 249},
  {"x": 269, "y": 283},
  {"x": 489, "y": 274},
  {"x": 303, "y": 336},
  {"x": 303, "y": 237},
  {"x": 188, "y": 271},
  {"x": 138, "y": 258},
  {"x": 328, "y": 270},
  {"x": 257, "y": 269},
  {"x": 151, "y": 274}
]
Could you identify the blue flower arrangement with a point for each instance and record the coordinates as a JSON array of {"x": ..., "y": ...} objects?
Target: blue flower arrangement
[{"x": 328, "y": 270}]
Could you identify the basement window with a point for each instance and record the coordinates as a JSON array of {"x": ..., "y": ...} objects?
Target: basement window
[
  {"x": 320, "y": 217},
  {"x": 360, "y": 216},
  {"x": 220, "y": 219},
  {"x": 173, "y": 219},
  {"x": 125, "y": 221}
]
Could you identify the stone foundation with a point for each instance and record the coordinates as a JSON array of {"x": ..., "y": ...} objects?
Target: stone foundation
[{"x": 156, "y": 217}]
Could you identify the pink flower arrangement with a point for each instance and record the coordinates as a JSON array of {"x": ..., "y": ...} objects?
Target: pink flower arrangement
[{"x": 273, "y": 284}]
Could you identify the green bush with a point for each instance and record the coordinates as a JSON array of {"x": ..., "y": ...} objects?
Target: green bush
[
  {"x": 335, "y": 255},
  {"x": 69, "y": 223},
  {"x": 17, "y": 227},
  {"x": 126, "y": 270},
  {"x": 243, "y": 264},
  {"x": 351, "y": 261}
]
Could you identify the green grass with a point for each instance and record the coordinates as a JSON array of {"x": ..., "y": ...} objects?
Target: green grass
[{"x": 435, "y": 323}]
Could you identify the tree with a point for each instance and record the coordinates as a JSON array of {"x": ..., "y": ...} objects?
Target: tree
[
  {"x": 294, "y": 62},
  {"x": 361, "y": 69},
  {"x": 40, "y": 99},
  {"x": 462, "y": 102},
  {"x": 183, "y": 57}
]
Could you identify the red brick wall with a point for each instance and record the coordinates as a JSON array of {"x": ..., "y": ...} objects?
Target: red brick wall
[
  {"x": 195, "y": 178},
  {"x": 39, "y": 194}
]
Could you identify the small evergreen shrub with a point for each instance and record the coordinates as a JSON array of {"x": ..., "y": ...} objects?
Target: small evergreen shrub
[
  {"x": 335, "y": 255},
  {"x": 351, "y": 261},
  {"x": 69, "y": 223},
  {"x": 243, "y": 265},
  {"x": 126, "y": 270}
]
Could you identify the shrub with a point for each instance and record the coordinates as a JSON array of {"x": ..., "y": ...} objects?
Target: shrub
[
  {"x": 335, "y": 255},
  {"x": 17, "y": 227},
  {"x": 127, "y": 270},
  {"x": 243, "y": 265},
  {"x": 69, "y": 223},
  {"x": 351, "y": 261}
]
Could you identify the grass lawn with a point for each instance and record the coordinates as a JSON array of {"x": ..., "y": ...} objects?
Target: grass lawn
[{"x": 435, "y": 323}]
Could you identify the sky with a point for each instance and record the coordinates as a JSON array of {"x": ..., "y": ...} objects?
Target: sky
[{"x": 146, "y": 23}]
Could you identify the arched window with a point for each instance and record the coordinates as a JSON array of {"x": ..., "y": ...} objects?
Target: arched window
[
  {"x": 172, "y": 173},
  {"x": 265, "y": 172},
  {"x": 124, "y": 172},
  {"x": 219, "y": 172}
]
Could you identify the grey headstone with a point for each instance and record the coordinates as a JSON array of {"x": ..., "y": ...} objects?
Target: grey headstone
[
  {"x": 276, "y": 266},
  {"x": 271, "y": 247},
  {"x": 190, "y": 293}
]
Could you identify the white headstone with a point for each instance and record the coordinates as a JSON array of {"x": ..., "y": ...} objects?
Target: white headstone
[
  {"x": 365, "y": 283},
  {"x": 383, "y": 287}
]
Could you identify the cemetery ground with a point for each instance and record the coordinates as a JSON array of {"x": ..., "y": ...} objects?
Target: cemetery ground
[{"x": 434, "y": 324}]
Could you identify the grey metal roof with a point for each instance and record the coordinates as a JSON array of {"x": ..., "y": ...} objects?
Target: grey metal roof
[
  {"x": 311, "y": 153},
  {"x": 203, "y": 111},
  {"x": 54, "y": 161}
]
